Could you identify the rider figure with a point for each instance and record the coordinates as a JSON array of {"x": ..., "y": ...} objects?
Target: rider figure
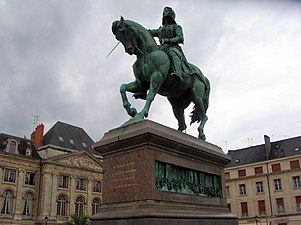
[{"x": 170, "y": 36}]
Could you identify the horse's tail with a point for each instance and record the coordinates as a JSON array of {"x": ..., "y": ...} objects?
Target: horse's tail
[
  {"x": 196, "y": 115},
  {"x": 206, "y": 95}
]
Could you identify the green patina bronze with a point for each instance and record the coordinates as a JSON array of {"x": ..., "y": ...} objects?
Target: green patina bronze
[
  {"x": 162, "y": 69},
  {"x": 178, "y": 179}
]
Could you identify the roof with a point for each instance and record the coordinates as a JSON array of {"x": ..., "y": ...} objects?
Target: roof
[
  {"x": 23, "y": 145},
  {"x": 279, "y": 149},
  {"x": 70, "y": 137}
]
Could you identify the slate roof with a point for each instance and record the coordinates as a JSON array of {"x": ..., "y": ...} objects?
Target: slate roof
[
  {"x": 279, "y": 149},
  {"x": 69, "y": 137},
  {"x": 23, "y": 145}
]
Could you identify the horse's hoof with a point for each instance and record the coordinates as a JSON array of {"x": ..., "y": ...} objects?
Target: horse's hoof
[
  {"x": 137, "y": 118},
  {"x": 202, "y": 137},
  {"x": 132, "y": 112}
]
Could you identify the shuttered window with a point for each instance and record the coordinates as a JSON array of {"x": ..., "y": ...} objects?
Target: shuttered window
[
  {"x": 229, "y": 206},
  {"x": 244, "y": 209},
  {"x": 298, "y": 202},
  {"x": 261, "y": 208},
  {"x": 258, "y": 170},
  {"x": 241, "y": 173},
  {"x": 280, "y": 205},
  {"x": 276, "y": 167},
  {"x": 227, "y": 175},
  {"x": 295, "y": 164}
]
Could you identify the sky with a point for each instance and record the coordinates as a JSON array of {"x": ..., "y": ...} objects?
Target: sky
[{"x": 53, "y": 64}]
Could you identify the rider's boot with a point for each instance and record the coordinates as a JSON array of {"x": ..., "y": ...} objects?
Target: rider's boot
[{"x": 177, "y": 70}]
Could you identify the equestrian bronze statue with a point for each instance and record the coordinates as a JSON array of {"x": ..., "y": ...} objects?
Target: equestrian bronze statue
[{"x": 162, "y": 69}]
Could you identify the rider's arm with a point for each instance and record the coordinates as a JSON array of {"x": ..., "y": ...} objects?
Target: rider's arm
[
  {"x": 154, "y": 32},
  {"x": 179, "y": 38}
]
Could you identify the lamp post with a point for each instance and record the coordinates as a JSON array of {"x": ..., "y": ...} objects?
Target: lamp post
[
  {"x": 256, "y": 219},
  {"x": 46, "y": 220}
]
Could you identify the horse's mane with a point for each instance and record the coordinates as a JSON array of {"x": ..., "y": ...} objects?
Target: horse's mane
[
  {"x": 141, "y": 30},
  {"x": 142, "y": 33}
]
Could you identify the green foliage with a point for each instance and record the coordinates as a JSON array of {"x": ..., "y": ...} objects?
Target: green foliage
[{"x": 79, "y": 219}]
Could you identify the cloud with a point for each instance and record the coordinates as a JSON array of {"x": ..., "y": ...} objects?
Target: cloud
[{"x": 52, "y": 63}]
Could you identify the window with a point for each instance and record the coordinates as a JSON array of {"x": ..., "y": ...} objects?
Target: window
[
  {"x": 227, "y": 191},
  {"x": 295, "y": 164},
  {"x": 63, "y": 181},
  {"x": 259, "y": 187},
  {"x": 297, "y": 182},
  {"x": 28, "y": 152},
  {"x": 28, "y": 205},
  {"x": 258, "y": 170},
  {"x": 261, "y": 208},
  {"x": 10, "y": 175},
  {"x": 241, "y": 173},
  {"x": 227, "y": 175},
  {"x": 30, "y": 178},
  {"x": 79, "y": 205},
  {"x": 81, "y": 184},
  {"x": 97, "y": 186},
  {"x": 61, "y": 206},
  {"x": 95, "y": 206},
  {"x": 298, "y": 203},
  {"x": 7, "y": 202},
  {"x": 280, "y": 205},
  {"x": 12, "y": 146},
  {"x": 244, "y": 209},
  {"x": 229, "y": 206},
  {"x": 277, "y": 183},
  {"x": 242, "y": 189},
  {"x": 276, "y": 167}
]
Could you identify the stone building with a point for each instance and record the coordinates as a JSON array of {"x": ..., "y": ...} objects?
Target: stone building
[
  {"x": 49, "y": 177},
  {"x": 20, "y": 169},
  {"x": 263, "y": 183}
]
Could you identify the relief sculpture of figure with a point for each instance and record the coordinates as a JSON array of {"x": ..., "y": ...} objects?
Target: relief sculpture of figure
[{"x": 162, "y": 70}]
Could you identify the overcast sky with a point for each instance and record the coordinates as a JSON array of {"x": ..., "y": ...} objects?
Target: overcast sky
[{"x": 52, "y": 64}]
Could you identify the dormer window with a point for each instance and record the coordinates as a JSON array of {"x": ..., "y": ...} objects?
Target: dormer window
[
  {"x": 12, "y": 146},
  {"x": 28, "y": 152}
]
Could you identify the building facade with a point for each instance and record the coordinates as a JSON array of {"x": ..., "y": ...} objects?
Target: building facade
[
  {"x": 44, "y": 181},
  {"x": 263, "y": 183}
]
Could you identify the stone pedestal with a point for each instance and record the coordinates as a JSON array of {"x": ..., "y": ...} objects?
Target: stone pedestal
[{"x": 156, "y": 175}]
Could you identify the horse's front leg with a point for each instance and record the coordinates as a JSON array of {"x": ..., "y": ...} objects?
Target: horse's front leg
[
  {"x": 155, "y": 84},
  {"x": 130, "y": 87}
]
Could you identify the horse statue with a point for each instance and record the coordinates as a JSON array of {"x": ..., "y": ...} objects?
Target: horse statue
[{"x": 152, "y": 71}]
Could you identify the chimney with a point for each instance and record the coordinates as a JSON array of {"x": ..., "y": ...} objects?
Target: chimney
[
  {"x": 37, "y": 136},
  {"x": 267, "y": 145}
]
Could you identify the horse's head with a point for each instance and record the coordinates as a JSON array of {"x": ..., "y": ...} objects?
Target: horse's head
[{"x": 126, "y": 35}]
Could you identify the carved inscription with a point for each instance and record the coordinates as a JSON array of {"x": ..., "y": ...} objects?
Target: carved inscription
[{"x": 124, "y": 175}]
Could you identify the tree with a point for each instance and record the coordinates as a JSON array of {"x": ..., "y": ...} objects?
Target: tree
[{"x": 79, "y": 219}]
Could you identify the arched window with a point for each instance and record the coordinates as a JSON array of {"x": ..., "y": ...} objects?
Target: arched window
[
  {"x": 28, "y": 205},
  {"x": 12, "y": 146},
  {"x": 95, "y": 206},
  {"x": 61, "y": 206},
  {"x": 7, "y": 202},
  {"x": 79, "y": 205}
]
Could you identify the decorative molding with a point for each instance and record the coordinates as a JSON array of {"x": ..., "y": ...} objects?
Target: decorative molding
[{"x": 80, "y": 161}]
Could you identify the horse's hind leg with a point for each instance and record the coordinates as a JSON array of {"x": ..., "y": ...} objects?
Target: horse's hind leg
[
  {"x": 178, "y": 105},
  {"x": 199, "y": 112}
]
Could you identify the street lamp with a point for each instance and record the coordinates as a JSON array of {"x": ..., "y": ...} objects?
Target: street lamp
[
  {"x": 256, "y": 219},
  {"x": 46, "y": 220}
]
